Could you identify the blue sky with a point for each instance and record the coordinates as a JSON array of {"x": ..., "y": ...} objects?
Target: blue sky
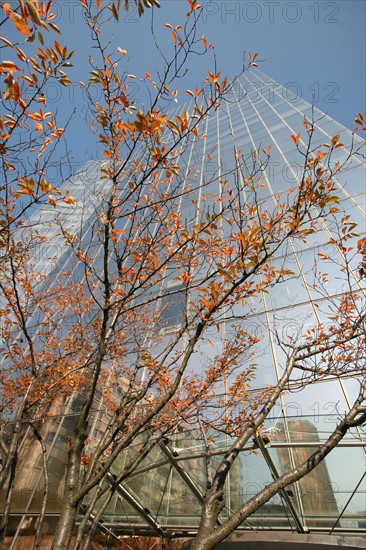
[{"x": 316, "y": 47}]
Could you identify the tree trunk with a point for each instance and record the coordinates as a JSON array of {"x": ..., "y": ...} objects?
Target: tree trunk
[
  {"x": 69, "y": 508},
  {"x": 62, "y": 537},
  {"x": 213, "y": 505}
]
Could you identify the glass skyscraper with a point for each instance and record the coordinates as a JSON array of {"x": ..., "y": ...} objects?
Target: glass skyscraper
[{"x": 165, "y": 493}]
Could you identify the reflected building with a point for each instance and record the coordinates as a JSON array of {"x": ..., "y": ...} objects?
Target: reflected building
[{"x": 314, "y": 494}]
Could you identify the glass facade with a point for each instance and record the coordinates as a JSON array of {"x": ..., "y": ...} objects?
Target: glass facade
[{"x": 166, "y": 490}]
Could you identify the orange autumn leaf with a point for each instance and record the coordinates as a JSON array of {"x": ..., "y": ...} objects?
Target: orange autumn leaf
[
  {"x": 7, "y": 9},
  {"x": 8, "y": 66},
  {"x": 33, "y": 13},
  {"x": 18, "y": 21},
  {"x": 194, "y": 5},
  {"x": 13, "y": 90}
]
